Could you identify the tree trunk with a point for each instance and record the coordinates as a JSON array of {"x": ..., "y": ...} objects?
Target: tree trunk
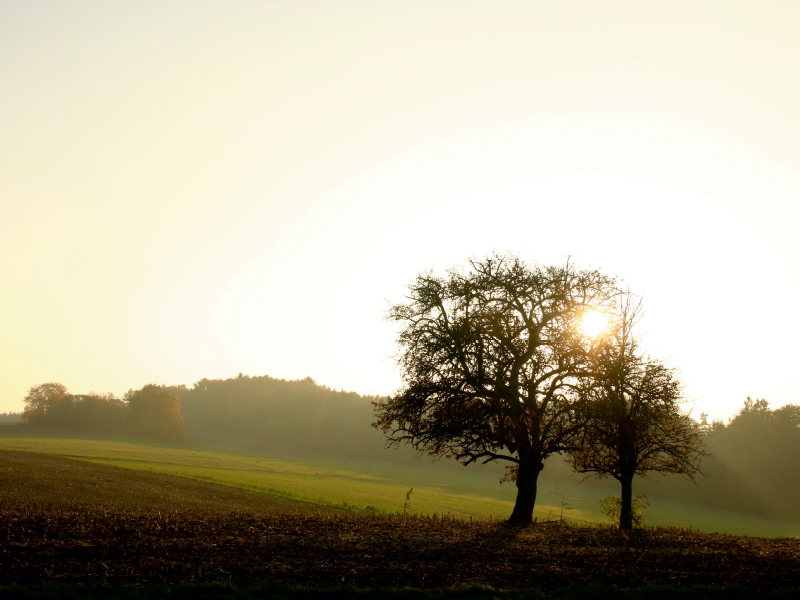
[
  {"x": 626, "y": 509},
  {"x": 528, "y": 474}
]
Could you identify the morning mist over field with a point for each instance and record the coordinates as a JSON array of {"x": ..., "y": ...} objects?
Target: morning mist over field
[{"x": 194, "y": 190}]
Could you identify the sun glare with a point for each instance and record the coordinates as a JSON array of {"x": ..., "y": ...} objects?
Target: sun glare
[{"x": 594, "y": 323}]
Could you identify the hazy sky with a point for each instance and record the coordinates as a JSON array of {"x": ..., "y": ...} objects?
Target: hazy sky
[{"x": 197, "y": 189}]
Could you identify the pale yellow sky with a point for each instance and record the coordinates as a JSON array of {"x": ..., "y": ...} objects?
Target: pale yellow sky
[{"x": 198, "y": 189}]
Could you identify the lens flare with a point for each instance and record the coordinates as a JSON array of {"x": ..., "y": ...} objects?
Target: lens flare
[{"x": 594, "y": 323}]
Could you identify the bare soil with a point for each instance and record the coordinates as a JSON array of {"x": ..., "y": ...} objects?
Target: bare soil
[
  {"x": 49, "y": 479},
  {"x": 71, "y": 521}
]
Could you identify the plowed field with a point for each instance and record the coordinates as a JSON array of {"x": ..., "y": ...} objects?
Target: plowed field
[{"x": 69, "y": 521}]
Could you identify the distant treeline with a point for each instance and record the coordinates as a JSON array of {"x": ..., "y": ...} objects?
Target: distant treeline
[
  {"x": 752, "y": 464},
  {"x": 10, "y": 417},
  {"x": 280, "y": 415},
  {"x": 151, "y": 412}
]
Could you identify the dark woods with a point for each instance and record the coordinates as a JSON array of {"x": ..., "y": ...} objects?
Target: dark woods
[
  {"x": 275, "y": 415},
  {"x": 749, "y": 464},
  {"x": 151, "y": 412}
]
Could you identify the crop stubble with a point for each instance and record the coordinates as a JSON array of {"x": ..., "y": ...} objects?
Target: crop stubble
[{"x": 71, "y": 521}]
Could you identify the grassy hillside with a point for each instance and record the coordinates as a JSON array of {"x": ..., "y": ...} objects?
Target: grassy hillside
[
  {"x": 372, "y": 486},
  {"x": 363, "y": 487}
]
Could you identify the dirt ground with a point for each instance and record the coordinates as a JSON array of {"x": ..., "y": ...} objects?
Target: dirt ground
[
  {"x": 45, "y": 478},
  {"x": 71, "y": 521}
]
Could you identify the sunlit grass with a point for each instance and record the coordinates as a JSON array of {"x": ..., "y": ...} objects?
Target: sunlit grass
[
  {"x": 326, "y": 484},
  {"x": 373, "y": 486}
]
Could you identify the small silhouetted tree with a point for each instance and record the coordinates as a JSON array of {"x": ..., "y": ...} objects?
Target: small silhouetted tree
[
  {"x": 633, "y": 424},
  {"x": 492, "y": 358},
  {"x": 155, "y": 412}
]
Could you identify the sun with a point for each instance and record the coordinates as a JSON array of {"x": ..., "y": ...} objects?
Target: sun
[{"x": 594, "y": 323}]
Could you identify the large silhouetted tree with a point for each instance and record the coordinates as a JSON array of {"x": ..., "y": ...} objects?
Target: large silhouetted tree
[
  {"x": 633, "y": 423},
  {"x": 492, "y": 358}
]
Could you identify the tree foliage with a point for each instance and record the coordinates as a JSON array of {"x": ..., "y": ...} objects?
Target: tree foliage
[
  {"x": 155, "y": 413},
  {"x": 611, "y": 506},
  {"x": 276, "y": 415},
  {"x": 150, "y": 412},
  {"x": 98, "y": 413},
  {"x": 492, "y": 358},
  {"x": 41, "y": 400}
]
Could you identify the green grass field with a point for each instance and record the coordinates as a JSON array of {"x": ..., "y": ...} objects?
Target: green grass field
[{"x": 371, "y": 486}]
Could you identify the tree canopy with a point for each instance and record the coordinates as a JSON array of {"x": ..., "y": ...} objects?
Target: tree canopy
[
  {"x": 492, "y": 358},
  {"x": 155, "y": 413},
  {"x": 152, "y": 411},
  {"x": 41, "y": 400}
]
